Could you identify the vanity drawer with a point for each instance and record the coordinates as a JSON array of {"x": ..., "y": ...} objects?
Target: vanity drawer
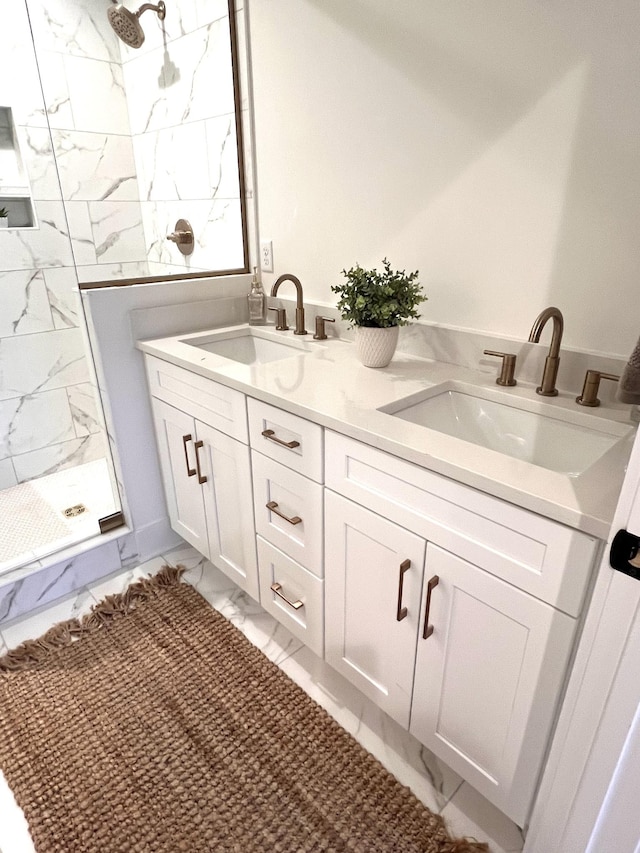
[
  {"x": 298, "y": 600},
  {"x": 221, "y": 407},
  {"x": 289, "y": 439},
  {"x": 540, "y": 556},
  {"x": 288, "y": 511}
]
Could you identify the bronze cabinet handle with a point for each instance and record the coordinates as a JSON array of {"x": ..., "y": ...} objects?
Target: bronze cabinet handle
[
  {"x": 273, "y": 506},
  {"x": 191, "y": 472},
  {"x": 428, "y": 629},
  {"x": 270, "y": 434},
  {"x": 276, "y": 587},
  {"x": 401, "y": 611},
  {"x": 197, "y": 446}
]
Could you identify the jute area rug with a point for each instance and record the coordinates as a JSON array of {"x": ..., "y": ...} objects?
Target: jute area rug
[{"x": 153, "y": 725}]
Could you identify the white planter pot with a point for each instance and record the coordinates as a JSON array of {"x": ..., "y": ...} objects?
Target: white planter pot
[
  {"x": 376, "y": 346},
  {"x": 4, "y": 221}
]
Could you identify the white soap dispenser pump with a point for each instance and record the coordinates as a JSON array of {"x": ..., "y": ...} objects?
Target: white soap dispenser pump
[{"x": 257, "y": 300}]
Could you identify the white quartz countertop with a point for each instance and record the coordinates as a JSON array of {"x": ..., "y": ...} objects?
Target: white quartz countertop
[{"x": 328, "y": 385}]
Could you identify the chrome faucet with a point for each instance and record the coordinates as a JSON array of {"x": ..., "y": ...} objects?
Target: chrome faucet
[
  {"x": 548, "y": 385},
  {"x": 300, "y": 329}
]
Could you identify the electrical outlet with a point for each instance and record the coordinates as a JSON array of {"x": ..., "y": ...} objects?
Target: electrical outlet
[{"x": 266, "y": 255}]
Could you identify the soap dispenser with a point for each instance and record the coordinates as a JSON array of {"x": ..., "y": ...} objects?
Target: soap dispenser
[{"x": 257, "y": 301}]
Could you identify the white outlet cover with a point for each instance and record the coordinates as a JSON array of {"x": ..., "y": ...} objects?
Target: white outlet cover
[{"x": 266, "y": 255}]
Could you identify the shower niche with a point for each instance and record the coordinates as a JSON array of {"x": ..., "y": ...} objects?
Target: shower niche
[{"x": 15, "y": 194}]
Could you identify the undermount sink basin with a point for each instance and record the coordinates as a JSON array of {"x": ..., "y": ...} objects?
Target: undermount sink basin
[
  {"x": 533, "y": 432},
  {"x": 247, "y": 346}
]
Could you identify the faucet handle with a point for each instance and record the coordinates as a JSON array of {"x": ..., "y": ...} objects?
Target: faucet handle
[
  {"x": 589, "y": 396},
  {"x": 281, "y": 319},
  {"x": 507, "y": 369},
  {"x": 321, "y": 333}
]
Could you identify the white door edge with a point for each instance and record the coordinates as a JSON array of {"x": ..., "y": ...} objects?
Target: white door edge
[{"x": 587, "y": 754}]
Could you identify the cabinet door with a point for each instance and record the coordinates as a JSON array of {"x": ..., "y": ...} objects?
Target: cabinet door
[
  {"x": 228, "y": 500},
  {"x": 367, "y": 560},
  {"x": 488, "y": 679},
  {"x": 176, "y": 434}
]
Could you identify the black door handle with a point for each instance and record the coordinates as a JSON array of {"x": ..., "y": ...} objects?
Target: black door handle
[{"x": 624, "y": 555}]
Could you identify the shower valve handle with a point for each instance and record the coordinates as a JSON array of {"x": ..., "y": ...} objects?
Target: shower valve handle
[{"x": 182, "y": 236}]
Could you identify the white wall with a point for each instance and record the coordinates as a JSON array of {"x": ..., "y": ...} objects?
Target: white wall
[{"x": 491, "y": 144}]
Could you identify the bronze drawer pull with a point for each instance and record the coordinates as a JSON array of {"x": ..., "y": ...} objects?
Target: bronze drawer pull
[
  {"x": 428, "y": 629},
  {"x": 401, "y": 611},
  {"x": 197, "y": 446},
  {"x": 191, "y": 472},
  {"x": 273, "y": 506},
  {"x": 276, "y": 587},
  {"x": 270, "y": 434}
]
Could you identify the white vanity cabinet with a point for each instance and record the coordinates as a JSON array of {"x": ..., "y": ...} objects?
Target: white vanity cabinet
[
  {"x": 206, "y": 471},
  {"x": 426, "y": 613},
  {"x": 454, "y": 611}
]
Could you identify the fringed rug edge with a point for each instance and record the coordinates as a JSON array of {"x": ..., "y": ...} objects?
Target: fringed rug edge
[{"x": 32, "y": 653}]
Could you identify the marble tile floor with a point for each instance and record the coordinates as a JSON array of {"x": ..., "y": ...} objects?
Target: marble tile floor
[
  {"x": 437, "y": 786},
  {"x": 39, "y": 528}
]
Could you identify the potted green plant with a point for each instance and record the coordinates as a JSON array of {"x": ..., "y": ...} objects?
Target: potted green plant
[
  {"x": 377, "y": 304},
  {"x": 4, "y": 217}
]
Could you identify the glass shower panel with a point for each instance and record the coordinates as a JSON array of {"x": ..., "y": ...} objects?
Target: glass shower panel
[{"x": 56, "y": 470}]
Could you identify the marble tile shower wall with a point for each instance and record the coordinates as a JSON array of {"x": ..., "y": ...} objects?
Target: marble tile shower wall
[
  {"x": 48, "y": 415},
  {"x": 142, "y": 137},
  {"x": 179, "y": 87},
  {"x": 123, "y": 144}
]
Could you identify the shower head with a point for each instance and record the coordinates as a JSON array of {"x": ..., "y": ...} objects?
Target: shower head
[{"x": 126, "y": 25}]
